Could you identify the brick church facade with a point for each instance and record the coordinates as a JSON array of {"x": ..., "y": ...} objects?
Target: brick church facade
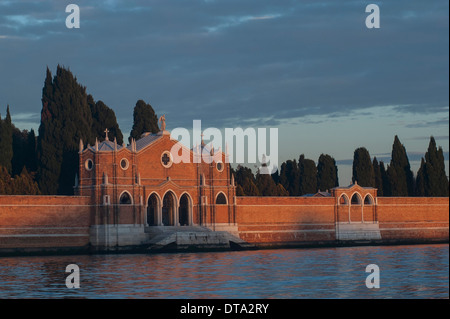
[{"x": 140, "y": 185}]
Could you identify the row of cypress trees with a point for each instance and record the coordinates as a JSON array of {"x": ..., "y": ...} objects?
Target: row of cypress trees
[
  {"x": 293, "y": 179},
  {"x": 396, "y": 178}
]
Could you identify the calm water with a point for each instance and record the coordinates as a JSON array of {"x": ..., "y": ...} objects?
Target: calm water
[{"x": 405, "y": 272}]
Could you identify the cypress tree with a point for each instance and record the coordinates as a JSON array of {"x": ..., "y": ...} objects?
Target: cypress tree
[
  {"x": 308, "y": 176},
  {"x": 6, "y": 142},
  {"x": 30, "y": 151},
  {"x": 266, "y": 185},
  {"x": 327, "y": 173},
  {"x": 144, "y": 120},
  {"x": 378, "y": 176},
  {"x": 20, "y": 141},
  {"x": 244, "y": 177},
  {"x": 403, "y": 185},
  {"x": 435, "y": 178},
  {"x": 103, "y": 118},
  {"x": 363, "y": 168},
  {"x": 65, "y": 119},
  {"x": 420, "y": 179},
  {"x": 290, "y": 177}
]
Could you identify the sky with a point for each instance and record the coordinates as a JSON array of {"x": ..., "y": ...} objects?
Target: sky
[{"x": 312, "y": 69}]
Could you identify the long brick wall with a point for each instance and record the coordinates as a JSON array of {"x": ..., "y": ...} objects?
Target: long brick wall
[
  {"x": 62, "y": 223},
  {"x": 275, "y": 221},
  {"x": 44, "y": 223},
  {"x": 413, "y": 219}
]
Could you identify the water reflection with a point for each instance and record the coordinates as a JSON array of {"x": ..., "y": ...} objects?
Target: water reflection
[{"x": 406, "y": 272}]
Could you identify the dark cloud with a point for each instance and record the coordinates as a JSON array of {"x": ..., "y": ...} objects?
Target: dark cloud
[{"x": 232, "y": 62}]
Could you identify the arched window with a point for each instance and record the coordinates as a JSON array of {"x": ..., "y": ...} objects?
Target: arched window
[
  {"x": 343, "y": 200},
  {"x": 221, "y": 199},
  {"x": 368, "y": 200},
  {"x": 125, "y": 199},
  {"x": 356, "y": 199}
]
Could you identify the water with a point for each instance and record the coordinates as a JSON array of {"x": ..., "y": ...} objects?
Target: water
[{"x": 419, "y": 271}]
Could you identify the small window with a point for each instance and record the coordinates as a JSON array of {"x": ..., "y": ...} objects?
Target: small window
[
  {"x": 125, "y": 199},
  {"x": 221, "y": 199},
  {"x": 124, "y": 163},
  {"x": 219, "y": 166},
  {"x": 89, "y": 164}
]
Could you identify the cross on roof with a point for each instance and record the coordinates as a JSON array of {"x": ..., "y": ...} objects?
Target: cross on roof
[{"x": 106, "y": 133}]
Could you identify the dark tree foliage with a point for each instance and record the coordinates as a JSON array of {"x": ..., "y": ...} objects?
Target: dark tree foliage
[
  {"x": 403, "y": 184},
  {"x": 290, "y": 177},
  {"x": 144, "y": 120},
  {"x": 266, "y": 185},
  {"x": 378, "y": 176},
  {"x": 327, "y": 173},
  {"x": 432, "y": 179},
  {"x": 244, "y": 177},
  {"x": 104, "y": 118},
  {"x": 362, "y": 168},
  {"x": 65, "y": 119},
  {"x": 420, "y": 179},
  {"x": 308, "y": 175},
  {"x": 22, "y": 184},
  {"x": 6, "y": 142}
]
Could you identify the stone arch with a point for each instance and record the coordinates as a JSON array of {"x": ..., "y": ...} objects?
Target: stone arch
[
  {"x": 356, "y": 199},
  {"x": 153, "y": 209},
  {"x": 169, "y": 209},
  {"x": 368, "y": 200},
  {"x": 125, "y": 198},
  {"x": 343, "y": 200},
  {"x": 221, "y": 199},
  {"x": 185, "y": 210}
]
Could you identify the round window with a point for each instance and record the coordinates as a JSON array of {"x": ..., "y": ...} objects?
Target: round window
[
  {"x": 124, "y": 163},
  {"x": 89, "y": 164},
  {"x": 166, "y": 159},
  {"x": 219, "y": 166}
]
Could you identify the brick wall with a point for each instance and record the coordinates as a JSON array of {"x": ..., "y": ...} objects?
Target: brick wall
[
  {"x": 268, "y": 221},
  {"x": 36, "y": 223},
  {"x": 413, "y": 218}
]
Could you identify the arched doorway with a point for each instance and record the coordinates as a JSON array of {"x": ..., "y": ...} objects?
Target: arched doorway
[
  {"x": 152, "y": 210},
  {"x": 185, "y": 210},
  {"x": 168, "y": 209}
]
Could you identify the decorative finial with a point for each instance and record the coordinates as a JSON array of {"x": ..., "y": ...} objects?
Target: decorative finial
[
  {"x": 81, "y": 145},
  {"x": 106, "y": 133},
  {"x": 162, "y": 119}
]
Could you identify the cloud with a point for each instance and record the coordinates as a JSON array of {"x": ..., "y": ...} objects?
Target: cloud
[{"x": 260, "y": 64}]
